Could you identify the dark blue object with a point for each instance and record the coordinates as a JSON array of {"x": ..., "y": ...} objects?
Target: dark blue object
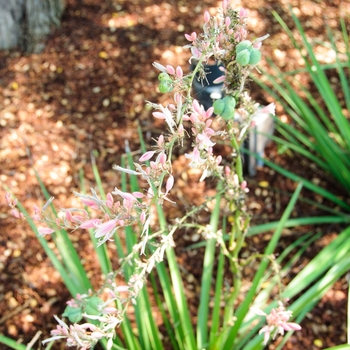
[{"x": 205, "y": 91}]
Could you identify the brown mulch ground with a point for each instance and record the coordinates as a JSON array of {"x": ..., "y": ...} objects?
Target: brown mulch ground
[{"x": 86, "y": 92}]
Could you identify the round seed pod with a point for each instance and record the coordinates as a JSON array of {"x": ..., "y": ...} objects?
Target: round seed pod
[
  {"x": 164, "y": 77},
  {"x": 219, "y": 106},
  {"x": 243, "y": 45},
  {"x": 225, "y": 107},
  {"x": 243, "y": 57},
  {"x": 255, "y": 57},
  {"x": 165, "y": 86}
]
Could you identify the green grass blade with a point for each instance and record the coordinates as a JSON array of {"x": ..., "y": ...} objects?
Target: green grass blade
[
  {"x": 12, "y": 343},
  {"x": 215, "y": 320},
  {"x": 207, "y": 275}
]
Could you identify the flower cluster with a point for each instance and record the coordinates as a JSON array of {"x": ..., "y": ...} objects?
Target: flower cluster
[{"x": 224, "y": 39}]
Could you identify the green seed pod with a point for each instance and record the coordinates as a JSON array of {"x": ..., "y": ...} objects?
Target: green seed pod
[
  {"x": 92, "y": 305},
  {"x": 229, "y": 110},
  {"x": 219, "y": 106},
  {"x": 255, "y": 57},
  {"x": 74, "y": 314},
  {"x": 165, "y": 86},
  {"x": 243, "y": 57},
  {"x": 164, "y": 77},
  {"x": 225, "y": 107},
  {"x": 243, "y": 45}
]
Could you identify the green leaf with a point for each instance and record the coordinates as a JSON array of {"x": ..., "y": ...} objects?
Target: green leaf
[{"x": 74, "y": 314}]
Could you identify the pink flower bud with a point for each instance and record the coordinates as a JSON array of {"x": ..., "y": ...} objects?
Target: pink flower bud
[
  {"x": 8, "y": 198},
  {"x": 147, "y": 156},
  {"x": 138, "y": 194},
  {"x": 243, "y": 13},
  {"x": 158, "y": 115},
  {"x": 179, "y": 72},
  {"x": 171, "y": 106},
  {"x": 227, "y": 21},
  {"x": 89, "y": 202},
  {"x": 16, "y": 213},
  {"x": 227, "y": 171},
  {"x": 45, "y": 231},
  {"x": 218, "y": 159},
  {"x": 224, "y": 5},
  {"x": 160, "y": 141},
  {"x": 170, "y": 70},
  {"x": 206, "y": 17},
  {"x": 162, "y": 158},
  {"x": 219, "y": 80},
  {"x": 177, "y": 98},
  {"x": 243, "y": 184},
  {"x": 169, "y": 183}
]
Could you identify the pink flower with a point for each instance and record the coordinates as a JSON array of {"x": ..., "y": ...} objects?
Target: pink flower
[
  {"x": 106, "y": 229},
  {"x": 195, "y": 157},
  {"x": 277, "y": 322},
  {"x": 191, "y": 37}
]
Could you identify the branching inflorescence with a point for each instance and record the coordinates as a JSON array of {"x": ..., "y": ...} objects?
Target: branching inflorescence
[{"x": 223, "y": 41}]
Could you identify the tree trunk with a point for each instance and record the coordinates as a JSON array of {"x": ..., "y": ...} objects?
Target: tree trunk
[{"x": 26, "y": 23}]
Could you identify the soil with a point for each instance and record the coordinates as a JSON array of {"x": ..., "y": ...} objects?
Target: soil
[{"x": 86, "y": 93}]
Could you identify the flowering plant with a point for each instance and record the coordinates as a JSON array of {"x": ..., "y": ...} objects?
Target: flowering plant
[{"x": 139, "y": 212}]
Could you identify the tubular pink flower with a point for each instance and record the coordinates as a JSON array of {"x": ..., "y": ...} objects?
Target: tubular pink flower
[
  {"x": 106, "y": 229},
  {"x": 147, "y": 156},
  {"x": 92, "y": 223}
]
